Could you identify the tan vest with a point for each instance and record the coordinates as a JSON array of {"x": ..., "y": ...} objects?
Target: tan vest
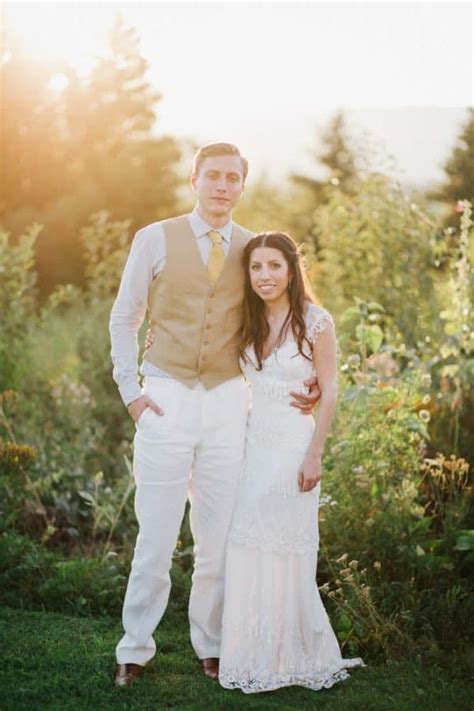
[{"x": 196, "y": 324}]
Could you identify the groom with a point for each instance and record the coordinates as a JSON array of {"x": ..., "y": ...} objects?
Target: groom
[{"x": 191, "y": 414}]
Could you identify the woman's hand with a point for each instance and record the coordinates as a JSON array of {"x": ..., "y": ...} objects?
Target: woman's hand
[{"x": 310, "y": 473}]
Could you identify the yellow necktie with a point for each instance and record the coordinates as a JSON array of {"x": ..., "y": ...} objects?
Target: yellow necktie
[{"x": 216, "y": 256}]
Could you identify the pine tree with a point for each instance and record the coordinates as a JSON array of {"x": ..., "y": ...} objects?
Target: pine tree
[
  {"x": 92, "y": 146},
  {"x": 336, "y": 156},
  {"x": 133, "y": 173},
  {"x": 459, "y": 167}
]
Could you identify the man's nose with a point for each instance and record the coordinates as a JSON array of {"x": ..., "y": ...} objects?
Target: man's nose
[{"x": 221, "y": 183}]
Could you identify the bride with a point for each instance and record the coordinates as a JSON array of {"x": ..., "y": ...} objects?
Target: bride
[{"x": 276, "y": 631}]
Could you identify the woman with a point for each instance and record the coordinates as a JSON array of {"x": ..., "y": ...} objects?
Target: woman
[{"x": 275, "y": 629}]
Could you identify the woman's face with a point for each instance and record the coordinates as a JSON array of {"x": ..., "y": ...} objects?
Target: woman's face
[{"x": 269, "y": 274}]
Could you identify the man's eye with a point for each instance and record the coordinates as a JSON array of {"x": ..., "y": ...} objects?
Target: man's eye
[{"x": 254, "y": 267}]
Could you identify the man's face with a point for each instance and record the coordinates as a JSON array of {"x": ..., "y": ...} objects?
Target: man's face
[{"x": 218, "y": 185}]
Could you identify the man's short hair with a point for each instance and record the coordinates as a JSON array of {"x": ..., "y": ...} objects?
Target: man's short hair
[{"x": 219, "y": 149}]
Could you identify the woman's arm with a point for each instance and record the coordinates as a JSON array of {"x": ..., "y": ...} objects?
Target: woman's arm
[{"x": 325, "y": 363}]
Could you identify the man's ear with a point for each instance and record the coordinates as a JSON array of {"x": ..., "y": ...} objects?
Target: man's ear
[{"x": 193, "y": 181}]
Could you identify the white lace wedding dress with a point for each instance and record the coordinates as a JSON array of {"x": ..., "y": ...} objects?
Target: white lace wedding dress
[{"x": 276, "y": 631}]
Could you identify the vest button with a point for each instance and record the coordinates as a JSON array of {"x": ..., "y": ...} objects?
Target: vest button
[
  {"x": 205, "y": 343},
  {"x": 208, "y": 326}
]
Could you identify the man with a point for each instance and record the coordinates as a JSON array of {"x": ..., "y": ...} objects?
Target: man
[{"x": 191, "y": 415}]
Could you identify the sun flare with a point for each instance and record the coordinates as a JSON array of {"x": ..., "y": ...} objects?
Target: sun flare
[{"x": 70, "y": 33}]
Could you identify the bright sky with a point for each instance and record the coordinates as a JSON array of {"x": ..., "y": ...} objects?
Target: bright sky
[{"x": 268, "y": 75}]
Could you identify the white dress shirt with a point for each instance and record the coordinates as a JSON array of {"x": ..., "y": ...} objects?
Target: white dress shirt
[{"x": 146, "y": 259}]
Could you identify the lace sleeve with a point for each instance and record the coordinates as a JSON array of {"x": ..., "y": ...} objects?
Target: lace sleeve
[{"x": 318, "y": 319}]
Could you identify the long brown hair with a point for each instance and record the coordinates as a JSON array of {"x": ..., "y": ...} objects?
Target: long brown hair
[{"x": 256, "y": 329}]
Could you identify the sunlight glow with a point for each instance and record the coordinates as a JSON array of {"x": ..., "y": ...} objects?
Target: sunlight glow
[
  {"x": 51, "y": 31},
  {"x": 58, "y": 82},
  {"x": 264, "y": 74}
]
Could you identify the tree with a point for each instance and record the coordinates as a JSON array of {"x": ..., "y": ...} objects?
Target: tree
[
  {"x": 91, "y": 146},
  {"x": 30, "y": 157},
  {"x": 375, "y": 244},
  {"x": 336, "y": 155},
  {"x": 459, "y": 168}
]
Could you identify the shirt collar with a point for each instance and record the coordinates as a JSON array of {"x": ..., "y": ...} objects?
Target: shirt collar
[{"x": 201, "y": 228}]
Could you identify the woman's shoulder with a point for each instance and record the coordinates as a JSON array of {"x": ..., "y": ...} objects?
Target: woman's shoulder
[{"x": 317, "y": 319}]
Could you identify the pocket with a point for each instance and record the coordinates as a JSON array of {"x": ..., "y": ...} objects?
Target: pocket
[{"x": 140, "y": 420}]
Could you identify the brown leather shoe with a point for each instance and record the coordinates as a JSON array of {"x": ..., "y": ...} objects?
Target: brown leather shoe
[
  {"x": 210, "y": 667},
  {"x": 127, "y": 674}
]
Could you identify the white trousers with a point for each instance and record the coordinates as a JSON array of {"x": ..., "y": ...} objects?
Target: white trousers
[{"x": 195, "y": 449}]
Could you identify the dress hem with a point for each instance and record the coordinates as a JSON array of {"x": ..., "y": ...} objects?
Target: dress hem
[{"x": 231, "y": 680}]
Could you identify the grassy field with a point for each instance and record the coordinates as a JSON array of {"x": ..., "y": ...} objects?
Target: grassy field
[{"x": 53, "y": 661}]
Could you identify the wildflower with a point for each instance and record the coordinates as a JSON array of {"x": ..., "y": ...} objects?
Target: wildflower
[
  {"x": 424, "y": 415},
  {"x": 377, "y": 565},
  {"x": 354, "y": 360},
  {"x": 353, "y": 564},
  {"x": 325, "y": 587},
  {"x": 342, "y": 558},
  {"x": 345, "y": 572}
]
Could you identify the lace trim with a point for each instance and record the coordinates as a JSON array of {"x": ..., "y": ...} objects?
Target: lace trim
[
  {"x": 233, "y": 679},
  {"x": 317, "y": 319},
  {"x": 278, "y": 389},
  {"x": 318, "y": 325},
  {"x": 286, "y": 543},
  {"x": 267, "y": 438}
]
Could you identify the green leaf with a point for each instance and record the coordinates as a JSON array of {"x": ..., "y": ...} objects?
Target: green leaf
[
  {"x": 465, "y": 541},
  {"x": 350, "y": 313},
  {"x": 371, "y": 335},
  {"x": 88, "y": 498},
  {"x": 451, "y": 328},
  {"x": 374, "y": 306}
]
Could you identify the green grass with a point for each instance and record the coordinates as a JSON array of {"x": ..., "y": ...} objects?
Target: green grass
[{"x": 55, "y": 661}]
